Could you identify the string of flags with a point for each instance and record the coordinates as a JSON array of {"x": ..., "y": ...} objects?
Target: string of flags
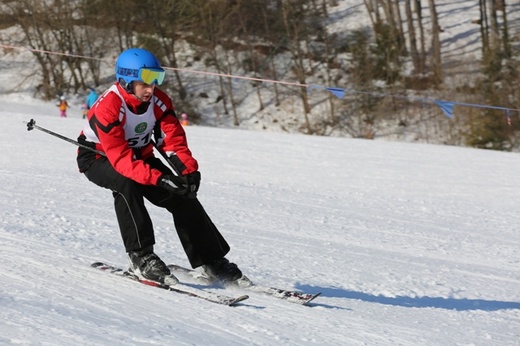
[{"x": 447, "y": 107}]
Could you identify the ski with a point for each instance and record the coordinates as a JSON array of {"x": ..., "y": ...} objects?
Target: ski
[
  {"x": 246, "y": 284},
  {"x": 178, "y": 288}
]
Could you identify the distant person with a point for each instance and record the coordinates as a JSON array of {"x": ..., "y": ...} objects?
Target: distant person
[
  {"x": 122, "y": 124},
  {"x": 91, "y": 99},
  {"x": 63, "y": 105},
  {"x": 184, "y": 119},
  {"x": 84, "y": 110}
]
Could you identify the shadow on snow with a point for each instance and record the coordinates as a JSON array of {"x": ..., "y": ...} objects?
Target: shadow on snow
[{"x": 458, "y": 304}]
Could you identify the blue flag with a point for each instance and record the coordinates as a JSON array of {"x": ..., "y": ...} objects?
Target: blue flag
[
  {"x": 338, "y": 92},
  {"x": 446, "y": 107}
]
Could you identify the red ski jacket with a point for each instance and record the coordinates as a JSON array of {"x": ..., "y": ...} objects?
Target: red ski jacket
[{"x": 122, "y": 126}]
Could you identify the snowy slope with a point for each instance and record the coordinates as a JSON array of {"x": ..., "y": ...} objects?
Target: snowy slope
[{"x": 409, "y": 244}]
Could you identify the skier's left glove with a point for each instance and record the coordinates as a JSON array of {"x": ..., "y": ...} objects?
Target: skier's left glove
[{"x": 193, "y": 184}]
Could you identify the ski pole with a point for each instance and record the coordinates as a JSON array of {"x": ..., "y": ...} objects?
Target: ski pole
[
  {"x": 167, "y": 158},
  {"x": 31, "y": 125}
]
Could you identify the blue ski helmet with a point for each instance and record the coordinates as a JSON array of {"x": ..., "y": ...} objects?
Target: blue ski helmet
[{"x": 138, "y": 64}]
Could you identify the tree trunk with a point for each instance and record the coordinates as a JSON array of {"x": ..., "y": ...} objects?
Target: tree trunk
[
  {"x": 501, "y": 6},
  {"x": 436, "y": 46},
  {"x": 293, "y": 28},
  {"x": 412, "y": 37},
  {"x": 483, "y": 26},
  {"x": 400, "y": 30},
  {"x": 422, "y": 40},
  {"x": 494, "y": 41}
]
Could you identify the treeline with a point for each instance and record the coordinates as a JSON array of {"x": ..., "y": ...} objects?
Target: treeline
[{"x": 288, "y": 40}]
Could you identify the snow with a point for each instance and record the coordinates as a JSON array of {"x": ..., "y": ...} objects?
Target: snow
[{"x": 409, "y": 244}]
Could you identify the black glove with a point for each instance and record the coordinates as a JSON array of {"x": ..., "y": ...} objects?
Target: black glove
[
  {"x": 193, "y": 184},
  {"x": 174, "y": 184}
]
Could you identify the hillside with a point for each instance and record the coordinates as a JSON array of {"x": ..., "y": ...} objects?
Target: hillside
[{"x": 423, "y": 121}]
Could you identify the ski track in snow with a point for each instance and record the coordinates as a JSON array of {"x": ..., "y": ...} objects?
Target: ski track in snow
[{"x": 409, "y": 244}]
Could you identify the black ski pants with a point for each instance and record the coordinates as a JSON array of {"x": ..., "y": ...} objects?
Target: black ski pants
[{"x": 200, "y": 238}]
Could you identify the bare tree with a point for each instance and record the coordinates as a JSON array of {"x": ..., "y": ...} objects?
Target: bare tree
[
  {"x": 295, "y": 30},
  {"x": 270, "y": 50},
  {"x": 389, "y": 39},
  {"x": 494, "y": 30},
  {"x": 394, "y": 22},
  {"x": 484, "y": 26},
  {"x": 501, "y": 6},
  {"x": 436, "y": 46},
  {"x": 64, "y": 28},
  {"x": 414, "y": 53},
  {"x": 422, "y": 36}
]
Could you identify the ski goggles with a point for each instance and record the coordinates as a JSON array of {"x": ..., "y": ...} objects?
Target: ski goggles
[{"x": 151, "y": 75}]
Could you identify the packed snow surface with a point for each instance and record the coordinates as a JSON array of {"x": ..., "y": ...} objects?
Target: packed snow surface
[{"x": 409, "y": 244}]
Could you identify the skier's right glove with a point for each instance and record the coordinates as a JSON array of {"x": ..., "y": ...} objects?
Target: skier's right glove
[{"x": 174, "y": 184}]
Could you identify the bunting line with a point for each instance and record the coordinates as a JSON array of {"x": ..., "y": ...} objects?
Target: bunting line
[{"x": 447, "y": 107}]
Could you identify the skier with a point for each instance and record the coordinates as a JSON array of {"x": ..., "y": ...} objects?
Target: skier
[
  {"x": 121, "y": 125},
  {"x": 91, "y": 99},
  {"x": 62, "y": 105}
]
